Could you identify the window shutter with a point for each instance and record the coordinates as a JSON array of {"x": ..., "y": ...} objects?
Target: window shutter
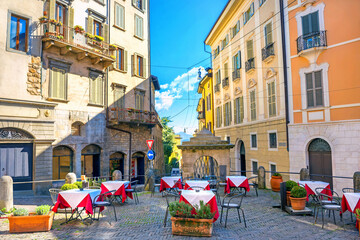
[
  {"x": 318, "y": 88},
  {"x": 251, "y": 9},
  {"x": 230, "y": 112},
  {"x": 71, "y": 23},
  {"x": 143, "y": 4},
  {"x": 249, "y": 49},
  {"x": 125, "y": 61},
  {"x": 62, "y": 84},
  {"x": 90, "y": 24},
  {"x": 134, "y": 2},
  {"x": 269, "y": 34},
  {"x": 305, "y": 24},
  {"x": 52, "y": 13},
  {"x": 224, "y": 112},
  {"x": 241, "y": 109},
  {"x": 238, "y": 26},
  {"x": 235, "y": 111},
  {"x": 91, "y": 88},
  {"x": 227, "y": 39},
  {"x": 52, "y": 83},
  {"x": 133, "y": 64},
  {"x": 122, "y": 17},
  {"x": 105, "y": 28},
  {"x": 220, "y": 116},
  {"x": 239, "y": 59},
  {"x": 244, "y": 17},
  {"x": 315, "y": 22},
  {"x": 226, "y": 69}
]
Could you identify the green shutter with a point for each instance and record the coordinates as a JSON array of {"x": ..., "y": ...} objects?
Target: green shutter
[
  {"x": 71, "y": 23},
  {"x": 305, "y": 24},
  {"x": 90, "y": 25},
  {"x": 251, "y": 10},
  {"x": 249, "y": 45},
  {"x": 230, "y": 113},
  {"x": 315, "y": 22},
  {"x": 239, "y": 59},
  {"x": 241, "y": 109},
  {"x": 235, "y": 111},
  {"x": 268, "y": 34},
  {"x": 125, "y": 61},
  {"x": 133, "y": 70},
  {"x": 226, "y": 69},
  {"x": 105, "y": 28}
]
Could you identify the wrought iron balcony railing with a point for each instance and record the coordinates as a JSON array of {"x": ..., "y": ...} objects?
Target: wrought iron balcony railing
[
  {"x": 129, "y": 115},
  {"x": 250, "y": 64},
  {"x": 217, "y": 87},
  {"x": 267, "y": 51},
  {"x": 225, "y": 82},
  {"x": 313, "y": 40},
  {"x": 236, "y": 74}
]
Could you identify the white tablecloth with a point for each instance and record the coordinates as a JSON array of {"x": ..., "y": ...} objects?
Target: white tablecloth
[
  {"x": 237, "y": 180},
  {"x": 194, "y": 197},
  {"x": 170, "y": 180},
  {"x": 197, "y": 183},
  {"x": 314, "y": 184},
  {"x": 75, "y": 196},
  {"x": 352, "y": 199},
  {"x": 115, "y": 185}
]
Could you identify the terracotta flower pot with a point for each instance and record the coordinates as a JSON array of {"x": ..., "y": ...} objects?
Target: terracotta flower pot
[
  {"x": 275, "y": 183},
  {"x": 192, "y": 227},
  {"x": 31, "y": 223},
  {"x": 298, "y": 203},
  {"x": 288, "y": 202}
]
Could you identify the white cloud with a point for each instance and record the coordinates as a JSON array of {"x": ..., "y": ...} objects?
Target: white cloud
[
  {"x": 163, "y": 87},
  {"x": 164, "y": 100}
]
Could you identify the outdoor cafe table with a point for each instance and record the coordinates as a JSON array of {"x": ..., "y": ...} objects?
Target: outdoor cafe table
[
  {"x": 310, "y": 187},
  {"x": 350, "y": 202},
  {"x": 119, "y": 187},
  {"x": 193, "y": 197},
  {"x": 236, "y": 182},
  {"x": 170, "y": 182},
  {"x": 76, "y": 199},
  {"x": 196, "y": 183}
]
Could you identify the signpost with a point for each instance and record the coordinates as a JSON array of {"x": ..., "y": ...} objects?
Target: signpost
[
  {"x": 150, "y": 154},
  {"x": 149, "y": 143}
]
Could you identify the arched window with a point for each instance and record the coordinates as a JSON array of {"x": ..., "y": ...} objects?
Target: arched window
[
  {"x": 206, "y": 167},
  {"x": 76, "y": 128},
  {"x": 62, "y": 162}
]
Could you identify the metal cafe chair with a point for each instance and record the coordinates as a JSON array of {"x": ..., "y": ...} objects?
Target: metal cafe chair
[
  {"x": 350, "y": 190},
  {"x": 233, "y": 200},
  {"x": 133, "y": 190},
  {"x": 254, "y": 184},
  {"x": 54, "y": 192},
  {"x": 214, "y": 187},
  {"x": 103, "y": 200},
  {"x": 331, "y": 204},
  {"x": 169, "y": 195}
]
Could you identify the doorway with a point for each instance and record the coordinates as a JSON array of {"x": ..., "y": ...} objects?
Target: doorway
[
  {"x": 138, "y": 167},
  {"x": 242, "y": 159},
  {"x": 90, "y": 161},
  {"x": 320, "y": 164},
  {"x": 117, "y": 163}
]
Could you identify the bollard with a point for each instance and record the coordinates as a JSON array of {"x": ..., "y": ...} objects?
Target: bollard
[
  {"x": 6, "y": 193},
  {"x": 356, "y": 179},
  {"x": 223, "y": 172},
  {"x": 70, "y": 178},
  {"x": 283, "y": 195},
  {"x": 116, "y": 175},
  {"x": 261, "y": 177},
  {"x": 304, "y": 174}
]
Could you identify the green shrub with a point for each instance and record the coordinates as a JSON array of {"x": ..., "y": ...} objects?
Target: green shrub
[
  {"x": 357, "y": 213},
  {"x": 42, "y": 210},
  {"x": 21, "y": 212},
  {"x": 298, "y": 192},
  {"x": 204, "y": 211},
  {"x": 68, "y": 186},
  {"x": 290, "y": 184},
  {"x": 277, "y": 174},
  {"x": 180, "y": 209},
  {"x": 78, "y": 184}
]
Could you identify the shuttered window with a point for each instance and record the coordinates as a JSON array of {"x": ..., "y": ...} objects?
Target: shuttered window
[
  {"x": 249, "y": 48},
  {"x": 140, "y": 4},
  {"x": 138, "y": 65},
  {"x": 121, "y": 59},
  {"x": 208, "y": 102},
  {"x": 237, "y": 61},
  {"x": 139, "y": 26},
  {"x": 119, "y": 97},
  {"x": 218, "y": 117},
  {"x": 310, "y": 23},
  {"x": 239, "y": 110},
  {"x": 253, "y": 105},
  {"x": 119, "y": 16},
  {"x": 268, "y": 34},
  {"x": 96, "y": 89},
  {"x": 271, "y": 98},
  {"x": 139, "y": 100},
  {"x": 58, "y": 84},
  {"x": 249, "y": 13},
  {"x": 227, "y": 114},
  {"x": 314, "y": 91},
  {"x": 218, "y": 77},
  {"x": 226, "y": 70}
]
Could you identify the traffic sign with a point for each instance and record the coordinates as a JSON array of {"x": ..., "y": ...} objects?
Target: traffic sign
[
  {"x": 149, "y": 143},
  {"x": 151, "y": 155}
]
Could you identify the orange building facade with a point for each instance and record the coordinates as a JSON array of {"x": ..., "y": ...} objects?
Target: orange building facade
[{"x": 322, "y": 46}]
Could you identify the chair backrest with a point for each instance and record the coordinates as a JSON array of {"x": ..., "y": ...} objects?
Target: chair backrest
[
  {"x": 197, "y": 188},
  {"x": 213, "y": 184},
  {"x": 350, "y": 190},
  {"x": 93, "y": 187},
  {"x": 103, "y": 195},
  {"x": 169, "y": 195},
  {"x": 321, "y": 195},
  {"x": 54, "y": 192},
  {"x": 234, "y": 198},
  {"x": 134, "y": 184},
  {"x": 253, "y": 179}
]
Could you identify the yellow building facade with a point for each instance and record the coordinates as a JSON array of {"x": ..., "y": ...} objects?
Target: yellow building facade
[
  {"x": 205, "y": 106},
  {"x": 176, "y": 153}
]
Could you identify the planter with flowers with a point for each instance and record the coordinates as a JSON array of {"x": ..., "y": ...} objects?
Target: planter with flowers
[
  {"x": 275, "y": 181},
  {"x": 78, "y": 29},
  {"x": 357, "y": 215},
  {"x": 298, "y": 198},
  {"x": 43, "y": 19}
]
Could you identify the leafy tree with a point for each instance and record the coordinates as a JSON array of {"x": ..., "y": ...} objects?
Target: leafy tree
[{"x": 168, "y": 138}]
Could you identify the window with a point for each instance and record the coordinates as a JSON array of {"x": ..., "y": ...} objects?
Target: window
[
  {"x": 249, "y": 48},
  {"x": 237, "y": 61},
  {"x": 208, "y": 102},
  {"x": 310, "y": 24},
  {"x": 261, "y": 2},
  {"x": 119, "y": 16},
  {"x": 268, "y": 34},
  {"x": 58, "y": 84},
  {"x": 235, "y": 29},
  {"x": 249, "y": 13},
  {"x": 314, "y": 90},
  {"x": 225, "y": 42},
  {"x": 138, "y": 65},
  {"x": 239, "y": 110},
  {"x": 60, "y": 16},
  {"x": 226, "y": 70},
  {"x": 227, "y": 113},
  {"x": 62, "y": 162},
  {"x": 216, "y": 51},
  {"x": 121, "y": 59},
  {"x": 272, "y": 140},
  {"x": 119, "y": 97},
  {"x": 218, "y": 77},
  {"x": 140, "y": 4},
  {"x": 253, "y": 105},
  {"x": 139, "y": 100},
  {"x": 96, "y": 88},
  {"x": 228, "y": 139},
  {"x": 253, "y": 141},
  {"x": 19, "y": 31},
  {"x": 138, "y": 27},
  {"x": 254, "y": 166},
  {"x": 76, "y": 128},
  {"x": 272, "y": 168},
  {"x": 97, "y": 28},
  {"x": 271, "y": 99},
  {"x": 218, "y": 117}
]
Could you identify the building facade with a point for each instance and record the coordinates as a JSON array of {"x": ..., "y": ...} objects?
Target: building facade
[
  {"x": 249, "y": 103},
  {"x": 324, "y": 87},
  {"x": 205, "y": 106},
  {"x": 76, "y": 95}
]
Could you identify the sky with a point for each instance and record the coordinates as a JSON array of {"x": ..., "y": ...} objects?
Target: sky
[{"x": 178, "y": 29}]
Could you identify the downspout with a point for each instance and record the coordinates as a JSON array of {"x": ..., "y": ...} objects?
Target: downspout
[
  {"x": 209, "y": 53},
  {"x": 282, "y": 17},
  {"x": 107, "y": 69}
]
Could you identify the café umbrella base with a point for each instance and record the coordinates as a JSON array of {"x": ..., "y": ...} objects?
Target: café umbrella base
[{"x": 192, "y": 227}]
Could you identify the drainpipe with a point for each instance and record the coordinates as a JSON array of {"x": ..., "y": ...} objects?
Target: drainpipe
[
  {"x": 285, "y": 71},
  {"x": 209, "y": 53}
]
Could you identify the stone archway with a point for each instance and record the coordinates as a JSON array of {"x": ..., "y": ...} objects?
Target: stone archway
[
  {"x": 206, "y": 167},
  {"x": 90, "y": 160}
]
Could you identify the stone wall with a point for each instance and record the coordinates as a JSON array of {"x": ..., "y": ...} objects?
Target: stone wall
[{"x": 33, "y": 76}]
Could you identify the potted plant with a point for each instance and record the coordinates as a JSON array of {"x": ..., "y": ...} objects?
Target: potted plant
[
  {"x": 186, "y": 224},
  {"x": 98, "y": 38},
  {"x": 69, "y": 186},
  {"x": 298, "y": 198},
  {"x": 357, "y": 215},
  {"x": 275, "y": 181},
  {"x": 53, "y": 21},
  {"x": 79, "y": 29},
  {"x": 289, "y": 185},
  {"x": 23, "y": 221},
  {"x": 43, "y": 19}
]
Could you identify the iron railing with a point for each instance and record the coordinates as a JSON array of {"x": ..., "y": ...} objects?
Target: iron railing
[
  {"x": 225, "y": 82},
  {"x": 236, "y": 74},
  {"x": 217, "y": 87},
  {"x": 268, "y": 51},
  {"x": 250, "y": 64},
  {"x": 133, "y": 116},
  {"x": 313, "y": 40}
]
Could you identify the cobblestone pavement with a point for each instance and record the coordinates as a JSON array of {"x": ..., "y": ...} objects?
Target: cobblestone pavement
[{"x": 145, "y": 221}]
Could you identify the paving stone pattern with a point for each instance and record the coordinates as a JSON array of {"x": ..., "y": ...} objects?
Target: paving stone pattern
[{"x": 145, "y": 221}]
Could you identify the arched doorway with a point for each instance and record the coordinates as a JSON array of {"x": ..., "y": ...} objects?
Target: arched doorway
[
  {"x": 206, "y": 167},
  {"x": 320, "y": 160},
  {"x": 138, "y": 167},
  {"x": 62, "y": 162},
  {"x": 242, "y": 158},
  {"x": 116, "y": 162},
  {"x": 90, "y": 161}
]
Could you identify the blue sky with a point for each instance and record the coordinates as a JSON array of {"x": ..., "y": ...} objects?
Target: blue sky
[{"x": 178, "y": 29}]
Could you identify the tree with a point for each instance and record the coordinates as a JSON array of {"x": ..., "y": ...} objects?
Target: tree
[{"x": 168, "y": 138}]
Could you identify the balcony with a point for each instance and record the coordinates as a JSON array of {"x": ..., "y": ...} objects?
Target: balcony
[
  {"x": 313, "y": 40},
  {"x": 236, "y": 75},
  {"x": 217, "y": 87},
  {"x": 268, "y": 53},
  {"x": 225, "y": 82},
  {"x": 201, "y": 115},
  {"x": 250, "y": 64},
  {"x": 77, "y": 42},
  {"x": 132, "y": 117}
]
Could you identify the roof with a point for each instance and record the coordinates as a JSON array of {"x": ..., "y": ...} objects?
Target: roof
[{"x": 155, "y": 81}]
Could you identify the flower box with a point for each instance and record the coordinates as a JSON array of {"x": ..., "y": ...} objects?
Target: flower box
[
  {"x": 31, "y": 223},
  {"x": 192, "y": 227}
]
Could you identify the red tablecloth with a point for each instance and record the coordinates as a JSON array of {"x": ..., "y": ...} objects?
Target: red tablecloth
[
  {"x": 164, "y": 185},
  {"x": 119, "y": 192},
  {"x": 212, "y": 203},
  {"x": 190, "y": 184},
  {"x": 345, "y": 206},
  {"x": 230, "y": 184},
  {"x": 309, "y": 191}
]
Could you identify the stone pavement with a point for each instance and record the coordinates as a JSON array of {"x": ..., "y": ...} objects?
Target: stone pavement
[{"x": 145, "y": 221}]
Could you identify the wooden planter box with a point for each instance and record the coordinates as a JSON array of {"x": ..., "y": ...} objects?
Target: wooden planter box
[
  {"x": 192, "y": 227},
  {"x": 31, "y": 223}
]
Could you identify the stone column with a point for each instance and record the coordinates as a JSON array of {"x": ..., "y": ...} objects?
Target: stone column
[
  {"x": 304, "y": 174},
  {"x": 261, "y": 177},
  {"x": 6, "y": 193},
  {"x": 356, "y": 179},
  {"x": 77, "y": 160}
]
